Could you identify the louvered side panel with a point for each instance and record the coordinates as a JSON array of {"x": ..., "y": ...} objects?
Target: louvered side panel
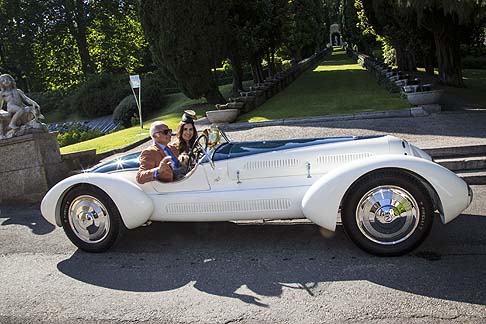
[
  {"x": 341, "y": 158},
  {"x": 260, "y": 205},
  {"x": 271, "y": 164}
]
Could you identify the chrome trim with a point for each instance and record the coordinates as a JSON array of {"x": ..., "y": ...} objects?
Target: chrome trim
[
  {"x": 89, "y": 219},
  {"x": 387, "y": 215}
]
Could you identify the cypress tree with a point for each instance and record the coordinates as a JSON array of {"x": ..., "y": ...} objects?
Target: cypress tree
[{"x": 186, "y": 39}]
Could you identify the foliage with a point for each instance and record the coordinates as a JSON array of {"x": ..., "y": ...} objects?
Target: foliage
[
  {"x": 474, "y": 62},
  {"x": 438, "y": 26},
  {"x": 76, "y": 133},
  {"x": 153, "y": 99},
  {"x": 307, "y": 30},
  {"x": 126, "y": 109},
  {"x": 53, "y": 100},
  {"x": 187, "y": 42},
  {"x": 100, "y": 94},
  {"x": 56, "y": 44}
]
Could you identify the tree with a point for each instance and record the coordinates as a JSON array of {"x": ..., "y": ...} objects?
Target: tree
[
  {"x": 19, "y": 26},
  {"x": 307, "y": 28},
  {"x": 187, "y": 42},
  {"x": 115, "y": 36},
  {"x": 450, "y": 22}
]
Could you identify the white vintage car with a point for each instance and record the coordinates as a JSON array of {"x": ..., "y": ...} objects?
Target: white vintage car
[{"x": 383, "y": 190}]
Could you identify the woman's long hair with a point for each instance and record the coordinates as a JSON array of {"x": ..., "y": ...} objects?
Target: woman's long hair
[{"x": 181, "y": 143}]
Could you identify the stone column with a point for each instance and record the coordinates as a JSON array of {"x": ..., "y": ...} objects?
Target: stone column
[{"x": 29, "y": 166}]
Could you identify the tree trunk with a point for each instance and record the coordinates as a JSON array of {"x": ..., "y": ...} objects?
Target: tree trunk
[
  {"x": 449, "y": 59},
  {"x": 405, "y": 58},
  {"x": 213, "y": 96},
  {"x": 429, "y": 58},
  {"x": 237, "y": 76},
  {"x": 76, "y": 21},
  {"x": 256, "y": 69}
]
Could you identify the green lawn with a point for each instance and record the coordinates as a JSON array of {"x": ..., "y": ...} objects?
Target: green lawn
[
  {"x": 170, "y": 114},
  {"x": 475, "y": 81},
  {"x": 337, "y": 86}
]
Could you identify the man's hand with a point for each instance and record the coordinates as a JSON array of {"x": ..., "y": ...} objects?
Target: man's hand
[
  {"x": 165, "y": 169},
  {"x": 166, "y": 161}
]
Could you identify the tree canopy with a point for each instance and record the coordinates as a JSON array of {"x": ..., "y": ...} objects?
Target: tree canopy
[{"x": 55, "y": 44}]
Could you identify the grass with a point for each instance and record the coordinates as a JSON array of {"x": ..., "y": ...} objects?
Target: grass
[
  {"x": 337, "y": 86},
  {"x": 170, "y": 114},
  {"x": 475, "y": 81}
]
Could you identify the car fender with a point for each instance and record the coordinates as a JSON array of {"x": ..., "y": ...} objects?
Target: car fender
[
  {"x": 321, "y": 202},
  {"x": 134, "y": 205}
]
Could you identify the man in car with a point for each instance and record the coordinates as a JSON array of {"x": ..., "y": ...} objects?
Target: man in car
[{"x": 158, "y": 161}]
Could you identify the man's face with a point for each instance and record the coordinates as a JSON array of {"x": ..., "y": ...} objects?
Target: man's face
[{"x": 162, "y": 134}]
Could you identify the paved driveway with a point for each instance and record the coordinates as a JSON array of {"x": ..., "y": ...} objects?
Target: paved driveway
[{"x": 228, "y": 273}]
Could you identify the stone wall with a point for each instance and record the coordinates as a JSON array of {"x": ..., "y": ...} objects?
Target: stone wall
[{"x": 29, "y": 166}]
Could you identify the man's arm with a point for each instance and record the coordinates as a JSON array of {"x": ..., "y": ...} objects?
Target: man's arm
[{"x": 148, "y": 165}]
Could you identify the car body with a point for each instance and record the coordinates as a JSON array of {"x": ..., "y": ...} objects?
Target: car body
[{"x": 384, "y": 190}]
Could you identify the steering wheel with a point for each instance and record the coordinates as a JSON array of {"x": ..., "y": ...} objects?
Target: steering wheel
[{"x": 198, "y": 149}]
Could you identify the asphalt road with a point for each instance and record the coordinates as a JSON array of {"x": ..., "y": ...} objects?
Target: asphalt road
[{"x": 228, "y": 273}]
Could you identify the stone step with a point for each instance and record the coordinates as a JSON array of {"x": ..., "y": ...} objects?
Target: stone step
[
  {"x": 459, "y": 151},
  {"x": 463, "y": 163},
  {"x": 474, "y": 177}
]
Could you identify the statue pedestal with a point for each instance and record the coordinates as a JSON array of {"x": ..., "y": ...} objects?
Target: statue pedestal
[{"x": 29, "y": 166}]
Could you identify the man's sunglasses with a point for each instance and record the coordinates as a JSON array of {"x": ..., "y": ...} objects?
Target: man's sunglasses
[{"x": 165, "y": 131}]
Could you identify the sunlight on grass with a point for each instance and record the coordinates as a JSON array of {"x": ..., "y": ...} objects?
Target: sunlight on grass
[
  {"x": 337, "y": 86},
  {"x": 171, "y": 114},
  {"x": 338, "y": 67}
]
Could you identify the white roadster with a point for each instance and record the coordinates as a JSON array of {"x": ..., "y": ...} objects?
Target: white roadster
[{"x": 383, "y": 190}]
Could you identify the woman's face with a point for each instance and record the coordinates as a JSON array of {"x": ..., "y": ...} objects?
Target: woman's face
[{"x": 187, "y": 132}]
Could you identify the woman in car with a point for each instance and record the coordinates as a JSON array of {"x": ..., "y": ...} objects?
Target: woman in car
[{"x": 185, "y": 137}]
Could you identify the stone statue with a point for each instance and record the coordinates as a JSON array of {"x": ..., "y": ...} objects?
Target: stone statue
[{"x": 22, "y": 114}]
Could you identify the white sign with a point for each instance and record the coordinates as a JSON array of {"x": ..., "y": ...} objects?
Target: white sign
[{"x": 135, "y": 81}]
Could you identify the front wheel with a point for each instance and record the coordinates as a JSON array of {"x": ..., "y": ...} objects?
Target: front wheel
[
  {"x": 90, "y": 218},
  {"x": 387, "y": 213}
]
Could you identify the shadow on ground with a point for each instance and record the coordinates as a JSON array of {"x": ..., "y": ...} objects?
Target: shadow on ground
[
  {"x": 28, "y": 216},
  {"x": 219, "y": 258}
]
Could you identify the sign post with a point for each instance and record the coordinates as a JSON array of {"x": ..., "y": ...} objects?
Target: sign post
[{"x": 136, "y": 85}]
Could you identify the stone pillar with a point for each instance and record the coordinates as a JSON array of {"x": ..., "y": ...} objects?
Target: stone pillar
[{"x": 29, "y": 166}]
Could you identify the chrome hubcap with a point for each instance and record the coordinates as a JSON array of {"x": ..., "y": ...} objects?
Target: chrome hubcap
[
  {"x": 387, "y": 215},
  {"x": 89, "y": 219}
]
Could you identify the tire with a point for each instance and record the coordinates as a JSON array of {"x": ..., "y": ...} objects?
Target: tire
[
  {"x": 387, "y": 213},
  {"x": 90, "y": 218}
]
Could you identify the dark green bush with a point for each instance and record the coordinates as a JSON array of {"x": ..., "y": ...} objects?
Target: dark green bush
[
  {"x": 125, "y": 110},
  {"x": 471, "y": 62},
  {"x": 153, "y": 99},
  {"x": 77, "y": 133},
  {"x": 100, "y": 94},
  {"x": 59, "y": 100}
]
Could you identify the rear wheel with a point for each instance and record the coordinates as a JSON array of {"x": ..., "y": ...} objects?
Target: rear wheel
[
  {"x": 90, "y": 218},
  {"x": 387, "y": 213}
]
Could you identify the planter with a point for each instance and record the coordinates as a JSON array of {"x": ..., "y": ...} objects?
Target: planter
[
  {"x": 222, "y": 116},
  {"x": 425, "y": 97}
]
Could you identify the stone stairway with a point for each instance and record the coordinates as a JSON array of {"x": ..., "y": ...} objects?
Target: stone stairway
[{"x": 469, "y": 162}]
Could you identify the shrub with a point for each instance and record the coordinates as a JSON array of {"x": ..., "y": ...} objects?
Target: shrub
[
  {"x": 101, "y": 94},
  {"x": 77, "y": 133},
  {"x": 125, "y": 110},
  {"x": 470, "y": 62},
  {"x": 53, "y": 100},
  {"x": 153, "y": 99}
]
